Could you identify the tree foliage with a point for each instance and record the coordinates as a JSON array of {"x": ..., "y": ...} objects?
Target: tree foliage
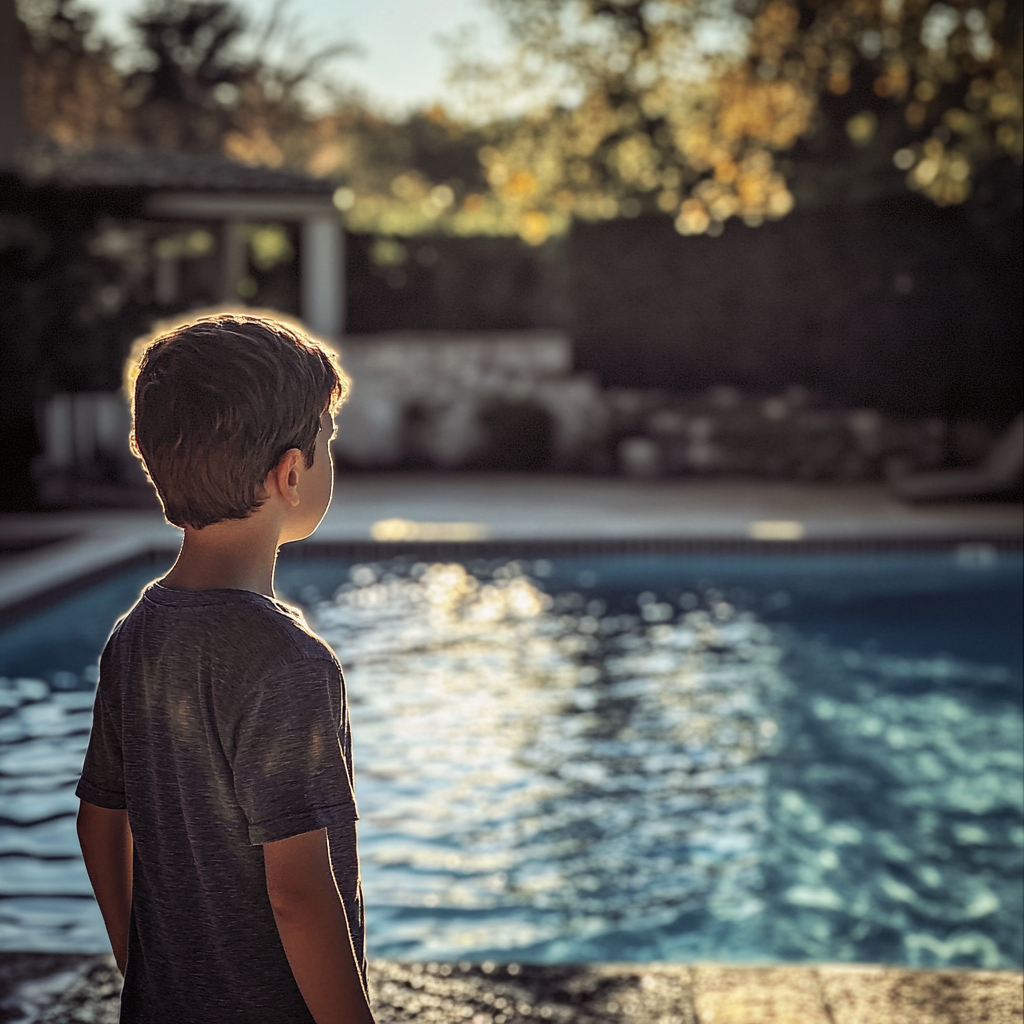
[
  {"x": 197, "y": 76},
  {"x": 71, "y": 91},
  {"x": 686, "y": 106},
  {"x": 702, "y": 110},
  {"x": 185, "y": 94}
]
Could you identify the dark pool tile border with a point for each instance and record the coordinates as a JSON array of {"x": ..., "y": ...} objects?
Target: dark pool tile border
[
  {"x": 530, "y": 548},
  {"x": 539, "y": 548},
  {"x": 18, "y": 545}
]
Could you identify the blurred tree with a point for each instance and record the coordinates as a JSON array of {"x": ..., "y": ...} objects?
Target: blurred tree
[
  {"x": 197, "y": 76},
  {"x": 420, "y": 174},
  {"x": 190, "y": 73},
  {"x": 700, "y": 109},
  {"x": 688, "y": 106},
  {"x": 209, "y": 80},
  {"x": 71, "y": 91}
]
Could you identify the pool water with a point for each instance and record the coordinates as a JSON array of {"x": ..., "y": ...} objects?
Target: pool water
[{"x": 635, "y": 757}]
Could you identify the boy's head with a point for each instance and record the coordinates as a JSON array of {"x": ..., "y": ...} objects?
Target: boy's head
[{"x": 217, "y": 401}]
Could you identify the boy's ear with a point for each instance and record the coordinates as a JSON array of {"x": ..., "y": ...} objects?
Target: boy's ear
[{"x": 284, "y": 477}]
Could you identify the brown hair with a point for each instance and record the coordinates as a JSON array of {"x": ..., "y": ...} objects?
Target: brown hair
[{"x": 215, "y": 404}]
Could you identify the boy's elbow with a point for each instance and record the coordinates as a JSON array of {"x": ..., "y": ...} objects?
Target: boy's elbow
[
  {"x": 289, "y": 896},
  {"x": 299, "y": 901}
]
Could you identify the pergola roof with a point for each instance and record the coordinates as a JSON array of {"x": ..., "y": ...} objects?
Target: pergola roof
[{"x": 108, "y": 167}]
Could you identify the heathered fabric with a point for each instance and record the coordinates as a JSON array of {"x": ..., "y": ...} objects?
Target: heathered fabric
[{"x": 220, "y": 723}]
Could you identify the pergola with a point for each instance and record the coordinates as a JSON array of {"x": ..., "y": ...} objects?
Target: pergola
[{"x": 182, "y": 186}]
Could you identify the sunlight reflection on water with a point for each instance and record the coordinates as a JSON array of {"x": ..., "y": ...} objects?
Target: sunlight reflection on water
[
  {"x": 641, "y": 759},
  {"x": 518, "y": 751},
  {"x": 544, "y": 775}
]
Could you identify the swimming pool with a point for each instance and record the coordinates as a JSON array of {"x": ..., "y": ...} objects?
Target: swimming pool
[{"x": 667, "y": 756}]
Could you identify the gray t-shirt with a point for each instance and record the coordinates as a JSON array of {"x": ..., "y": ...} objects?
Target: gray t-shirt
[{"x": 220, "y": 723}]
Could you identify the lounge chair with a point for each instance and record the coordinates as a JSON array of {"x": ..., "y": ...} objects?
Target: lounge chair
[{"x": 998, "y": 475}]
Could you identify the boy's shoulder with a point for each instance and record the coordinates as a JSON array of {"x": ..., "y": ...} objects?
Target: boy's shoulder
[{"x": 259, "y": 631}]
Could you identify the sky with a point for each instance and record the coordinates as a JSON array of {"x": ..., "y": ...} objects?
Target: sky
[{"x": 402, "y": 65}]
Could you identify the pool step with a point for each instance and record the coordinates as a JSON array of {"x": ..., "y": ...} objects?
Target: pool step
[{"x": 73, "y": 989}]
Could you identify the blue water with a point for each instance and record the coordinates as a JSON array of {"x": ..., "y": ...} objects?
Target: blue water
[{"x": 809, "y": 757}]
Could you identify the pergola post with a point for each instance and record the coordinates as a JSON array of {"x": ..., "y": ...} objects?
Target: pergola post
[
  {"x": 322, "y": 270},
  {"x": 232, "y": 259}
]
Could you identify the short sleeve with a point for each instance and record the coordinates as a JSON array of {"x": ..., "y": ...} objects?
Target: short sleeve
[
  {"x": 102, "y": 781},
  {"x": 290, "y": 773}
]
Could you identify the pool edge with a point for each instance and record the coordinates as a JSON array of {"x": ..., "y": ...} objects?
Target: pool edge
[{"x": 67, "y": 568}]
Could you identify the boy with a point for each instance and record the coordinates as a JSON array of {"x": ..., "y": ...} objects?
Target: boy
[{"x": 218, "y": 817}]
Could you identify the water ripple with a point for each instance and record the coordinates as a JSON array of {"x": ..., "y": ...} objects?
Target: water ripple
[{"x": 559, "y": 763}]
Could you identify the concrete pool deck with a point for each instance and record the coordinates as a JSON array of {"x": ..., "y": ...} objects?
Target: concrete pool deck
[
  {"x": 528, "y": 508},
  {"x": 55, "y": 989}
]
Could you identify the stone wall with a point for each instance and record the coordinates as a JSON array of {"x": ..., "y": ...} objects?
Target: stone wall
[
  {"x": 448, "y": 400},
  {"x": 511, "y": 400}
]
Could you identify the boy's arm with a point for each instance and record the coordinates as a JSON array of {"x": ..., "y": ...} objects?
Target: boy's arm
[
  {"x": 106, "y": 840},
  {"x": 314, "y": 930}
]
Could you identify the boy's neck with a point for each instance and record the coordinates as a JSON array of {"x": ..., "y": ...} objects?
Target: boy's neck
[{"x": 230, "y": 555}]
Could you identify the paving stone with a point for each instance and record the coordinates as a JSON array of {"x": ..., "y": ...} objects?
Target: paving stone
[
  {"x": 758, "y": 995},
  {"x": 877, "y": 995},
  {"x": 93, "y": 998},
  {"x": 488, "y": 993},
  {"x": 514, "y": 994}
]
